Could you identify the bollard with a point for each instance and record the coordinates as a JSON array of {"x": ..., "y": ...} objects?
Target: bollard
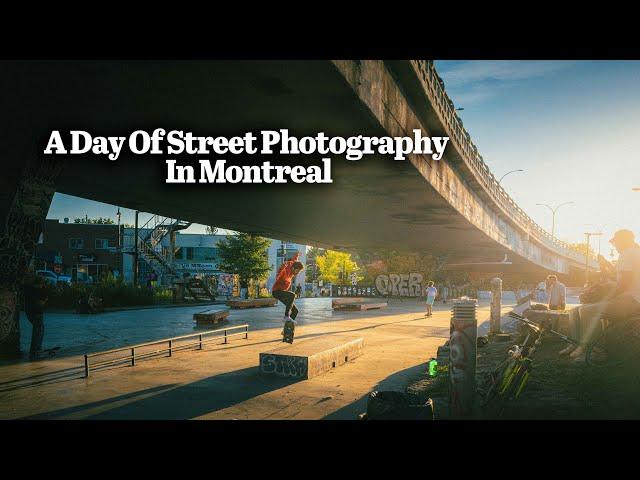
[
  {"x": 496, "y": 306},
  {"x": 462, "y": 358}
]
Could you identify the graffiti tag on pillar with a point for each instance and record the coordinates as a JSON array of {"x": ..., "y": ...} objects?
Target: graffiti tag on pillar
[{"x": 400, "y": 285}]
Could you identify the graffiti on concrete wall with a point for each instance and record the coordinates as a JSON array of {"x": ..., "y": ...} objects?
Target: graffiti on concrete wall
[
  {"x": 462, "y": 367},
  {"x": 400, "y": 285},
  {"x": 283, "y": 365},
  {"x": 18, "y": 236}
]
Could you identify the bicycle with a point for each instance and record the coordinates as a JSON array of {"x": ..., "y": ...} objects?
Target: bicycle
[{"x": 508, "y": 379}]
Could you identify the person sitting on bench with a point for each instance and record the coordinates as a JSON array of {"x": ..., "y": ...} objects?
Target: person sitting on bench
[{"x": 623, "y": 301}]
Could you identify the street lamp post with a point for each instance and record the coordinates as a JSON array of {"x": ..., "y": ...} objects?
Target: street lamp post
[
  {"x": 553, "y": 215},
  {"x": 512, "y": 171}
]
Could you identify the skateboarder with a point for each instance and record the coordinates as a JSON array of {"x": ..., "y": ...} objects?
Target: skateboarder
[{"x": 281, "y": 288}]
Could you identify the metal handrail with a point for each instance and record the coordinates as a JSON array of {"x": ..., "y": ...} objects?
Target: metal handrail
[
  {"x": 472, "y": 158},
  {"x": 132, "y": 356}
]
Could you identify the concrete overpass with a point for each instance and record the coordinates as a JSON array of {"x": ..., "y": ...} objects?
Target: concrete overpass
[{"x": 453, "y": 206}]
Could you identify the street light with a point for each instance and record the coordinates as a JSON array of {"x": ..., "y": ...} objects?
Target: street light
[
  {"x": 118, "y": 215},
  {"x": 553, "y": 218},
  {"x": 512, "y": 171}
]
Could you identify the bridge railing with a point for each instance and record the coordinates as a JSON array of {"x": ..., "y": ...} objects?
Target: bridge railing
[{"x": 446, "y": 110}]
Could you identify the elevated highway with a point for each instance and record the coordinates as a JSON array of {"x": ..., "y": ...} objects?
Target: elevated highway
[{"x": 453, "y": 206}]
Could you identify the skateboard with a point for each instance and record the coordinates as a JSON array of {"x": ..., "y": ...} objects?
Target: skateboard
[{"x": 288, "y": 331}]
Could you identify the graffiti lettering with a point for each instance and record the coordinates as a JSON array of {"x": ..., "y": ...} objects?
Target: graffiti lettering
[
  {"x": 283, "y": 365},
  {"x": 400, "y": 285}
]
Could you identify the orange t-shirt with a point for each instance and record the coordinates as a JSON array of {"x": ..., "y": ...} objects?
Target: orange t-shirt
[{"x": 285, "y": 276}]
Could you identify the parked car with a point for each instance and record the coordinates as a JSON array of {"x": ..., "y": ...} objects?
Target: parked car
[{"x": 52, "y": 277}]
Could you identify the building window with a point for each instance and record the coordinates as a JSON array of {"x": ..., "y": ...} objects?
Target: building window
[
  {"x": 189, "y": 253},
  {"x": 76, "y": 243},
  {"x": 102, "y": 243}
]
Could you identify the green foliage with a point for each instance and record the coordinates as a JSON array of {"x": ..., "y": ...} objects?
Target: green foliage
[
  {"x": 113, "y": 292},
  {"x": 211, "y": 230},
  {"x": 337, "y": 267},
  {"x": 246, "y": 255},
  {"x": 311, "y": 273}
]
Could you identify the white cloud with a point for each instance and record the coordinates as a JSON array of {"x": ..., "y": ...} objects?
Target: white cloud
[{"x": 472, "y": 72}]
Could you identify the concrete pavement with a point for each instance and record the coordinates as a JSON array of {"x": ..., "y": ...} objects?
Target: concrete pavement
[{"x": 223, "y": 381}]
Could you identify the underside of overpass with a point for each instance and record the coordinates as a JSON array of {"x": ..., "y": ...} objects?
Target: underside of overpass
[{"x": 374, "y": 202}]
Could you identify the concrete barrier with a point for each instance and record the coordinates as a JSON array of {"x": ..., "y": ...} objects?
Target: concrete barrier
[
  {"x": 252, "y": 303},
  {"x": 364, "y": 306},
  {"x": 356, "y": 303},
  {"x": 310, "y": 358},
  {"x": 213, "y": 316},
  {"x": 340, "y": 302}
]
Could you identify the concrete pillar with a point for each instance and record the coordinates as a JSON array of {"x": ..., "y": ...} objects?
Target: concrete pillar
[
  {"x": 24, "y": 204},
  {"x": 462, "y": 358},
  {"x": 496, "y": 306}
]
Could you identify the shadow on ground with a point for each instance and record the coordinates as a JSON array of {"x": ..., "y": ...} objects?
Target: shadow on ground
[
  {"x": 397, "y": 382},
  {"x": 170, "y": 402}
]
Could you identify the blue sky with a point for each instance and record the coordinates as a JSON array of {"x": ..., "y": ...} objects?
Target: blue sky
[{"x": 572, "y": 126}]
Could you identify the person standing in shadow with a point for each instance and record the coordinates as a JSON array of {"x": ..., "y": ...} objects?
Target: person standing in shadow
[{"x": 35, "y": 298}]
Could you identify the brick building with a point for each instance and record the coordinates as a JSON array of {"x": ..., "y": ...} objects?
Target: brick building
[{"x": 82, "y": 251}]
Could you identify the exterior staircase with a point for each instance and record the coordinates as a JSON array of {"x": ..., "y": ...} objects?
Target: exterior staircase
[{"x": 152, "y": 253}]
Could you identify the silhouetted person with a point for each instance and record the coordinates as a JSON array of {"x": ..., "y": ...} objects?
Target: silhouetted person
[{"x": 35, "y": 298}]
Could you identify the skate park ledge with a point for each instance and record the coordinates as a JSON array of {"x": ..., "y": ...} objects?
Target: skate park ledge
[{"x": 309, "y": 358}]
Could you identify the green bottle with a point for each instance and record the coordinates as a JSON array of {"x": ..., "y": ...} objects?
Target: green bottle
[{"x": 433, "y": 367}]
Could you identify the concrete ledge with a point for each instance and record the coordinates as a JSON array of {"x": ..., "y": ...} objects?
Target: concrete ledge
[
  {"x": 252, "y": 303},
  {"x": 340, "y": 302},
  {"x": 310, "y": 358},
  {"x": 364, "y": 306},
  {"x": 215, "y": 315}
]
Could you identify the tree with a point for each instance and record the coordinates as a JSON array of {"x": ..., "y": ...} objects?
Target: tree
[
  {"x": 211, "y": 230},
  {"x": 337, "y": 267},
  {"x": 583, "y": 248},
  {"x": 246, "y": 255},
  {"x": 311, "y": 273}
]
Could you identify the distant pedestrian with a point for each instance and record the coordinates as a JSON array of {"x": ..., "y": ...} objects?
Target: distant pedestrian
[
  {"x": 557, "y": 293},
  {"x": 431, "y": 297},
  {"x": 35, "y": 298},
  {"x": 298, "y": 291}
]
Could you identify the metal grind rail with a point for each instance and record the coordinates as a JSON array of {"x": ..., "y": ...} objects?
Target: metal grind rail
[{"x": 171, "y": 347}]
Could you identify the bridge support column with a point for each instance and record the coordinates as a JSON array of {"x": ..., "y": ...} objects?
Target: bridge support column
[
  {"x": 24, "y": 204},
  {"x": 496, "y": 306},
  {"x": 462, "y": 358}
]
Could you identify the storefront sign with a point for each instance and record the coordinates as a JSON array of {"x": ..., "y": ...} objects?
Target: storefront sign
[{"x": 86, "y": 258}]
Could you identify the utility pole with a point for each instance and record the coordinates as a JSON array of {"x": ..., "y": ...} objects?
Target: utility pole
[
  {"x": 135, "y": 254},
  {"x": 586, "y": 263}
]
